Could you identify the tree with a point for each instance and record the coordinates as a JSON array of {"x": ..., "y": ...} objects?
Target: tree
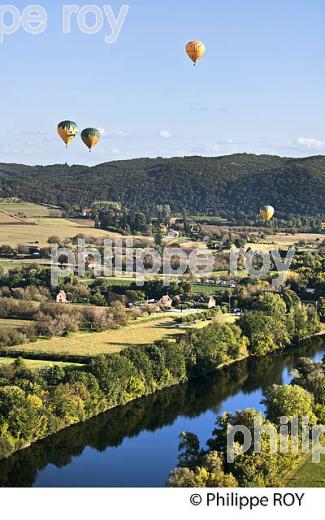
[
  {"x": 265, "y": 332},
  {"x": 254, "y": 468},
  {"x": 321, "y": 308},
  {"x": 7, "y": 440},
  {"x": 311, "y": 377},
  {"x": 53, "y": 239},
  {"x": 174, "y": 362},
  {"x": 114, "y": 373},
  {"x": 143, "y": 365},
  {"x": 199, "y": 469},
  {"x": 23, "y": 414},
  {"x": 67, "y": 403},
  {"x": 187, "y": 478},
  {"x": 118, "y": 312},
  {"x": 60, "y": 325},
  {"x": 54, "y": 375},
  {"x": 189, "y": 448},
  {"x": 304, "y": 323},
  {"x": 289, "y": 401},
  {"x": 271, "y": 304},
  {"x": 208, "y": 348}
]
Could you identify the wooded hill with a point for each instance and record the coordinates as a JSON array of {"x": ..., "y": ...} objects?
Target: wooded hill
[{"x": 224, "y": 185}]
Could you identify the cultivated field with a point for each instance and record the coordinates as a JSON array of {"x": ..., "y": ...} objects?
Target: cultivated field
[
  {"x": 39, "y": 230},
  {"x": 142, "y": 332},
  {"x": 28, "y": 209},
  {"x": 107, "y": 342},
  {"x": 284, "y": 241},
  {"x": 17, "y": 324},
  {"x": 7, "y": 220}
]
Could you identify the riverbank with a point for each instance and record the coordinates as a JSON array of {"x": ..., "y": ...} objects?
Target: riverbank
[
  {"x": 218, "y": 369},
  {"x": 62, "y": 398},
  {"x": 136, "y": 445}
]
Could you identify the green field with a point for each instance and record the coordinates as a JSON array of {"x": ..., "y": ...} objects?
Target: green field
[
  {"x": 20, "y": 262},
  {"x": 208, "y": 289},
  {"x": 17, "y": 324},
  {"x": 114, "y": 281},
  {"x": 35, "y": 364},
  {"x": 308, "y": 475}
]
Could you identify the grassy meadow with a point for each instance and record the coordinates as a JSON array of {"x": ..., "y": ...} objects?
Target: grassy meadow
[
  {"x": 36, "y": 364},
  {"x": 308, "y": 475},
  {"x": 17, "y": 324}
]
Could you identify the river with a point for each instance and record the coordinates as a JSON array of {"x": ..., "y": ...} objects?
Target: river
[{"x": 136, "y": 445}]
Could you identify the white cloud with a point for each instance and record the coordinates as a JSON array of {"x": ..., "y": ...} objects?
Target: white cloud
[
  {"x": 115, "y": 151},
  {"x": 164, "y": 134},
  {"x": 117, "y": 134},
  {"x": 311, "y": 143}
]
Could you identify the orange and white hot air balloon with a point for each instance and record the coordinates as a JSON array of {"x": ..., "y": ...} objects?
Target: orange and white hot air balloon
[{"x": 195, "y": 50}]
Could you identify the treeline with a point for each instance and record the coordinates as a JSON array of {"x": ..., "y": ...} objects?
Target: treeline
[
  {"x": 112, "y": 216},
  {"x": 34, "y": 404},
  {"x": 199, "y": 316},
  {"x": 234, "y": 185},
  {"x": 266, "y": 467},
  {"x": 32, "y": 283}
]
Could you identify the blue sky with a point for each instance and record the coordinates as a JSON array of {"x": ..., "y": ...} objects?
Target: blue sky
[{"x": 260, "y": 87}]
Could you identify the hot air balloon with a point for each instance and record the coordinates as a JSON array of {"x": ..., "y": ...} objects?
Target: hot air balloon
[
  {"x": 90, "y": 137},
  {"x": 195, "y": 50},
  {"x": 267, "y": 213},
  {"x": 67, "y": 130}
]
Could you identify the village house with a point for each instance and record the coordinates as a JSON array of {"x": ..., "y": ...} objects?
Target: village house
[
  {"x": 62, "y": 297},
  {"x": 165, "y": 301},
  {"x": 209, "y": 301}
]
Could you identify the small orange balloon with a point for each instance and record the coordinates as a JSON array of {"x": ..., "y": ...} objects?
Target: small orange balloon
[{"x": 195, "y": 50}]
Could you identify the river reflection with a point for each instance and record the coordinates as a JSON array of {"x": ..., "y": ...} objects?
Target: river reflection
[{"x": 136, "y": 445}]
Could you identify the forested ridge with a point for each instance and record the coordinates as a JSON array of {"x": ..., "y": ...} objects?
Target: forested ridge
[{"x": 233, "y": 183}]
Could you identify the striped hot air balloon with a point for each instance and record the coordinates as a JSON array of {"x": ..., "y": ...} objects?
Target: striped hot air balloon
[
  {"x": 90, "y": 137},
  {"x": 67, "y": 130},
  {"x": 195, "y": 50}
]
